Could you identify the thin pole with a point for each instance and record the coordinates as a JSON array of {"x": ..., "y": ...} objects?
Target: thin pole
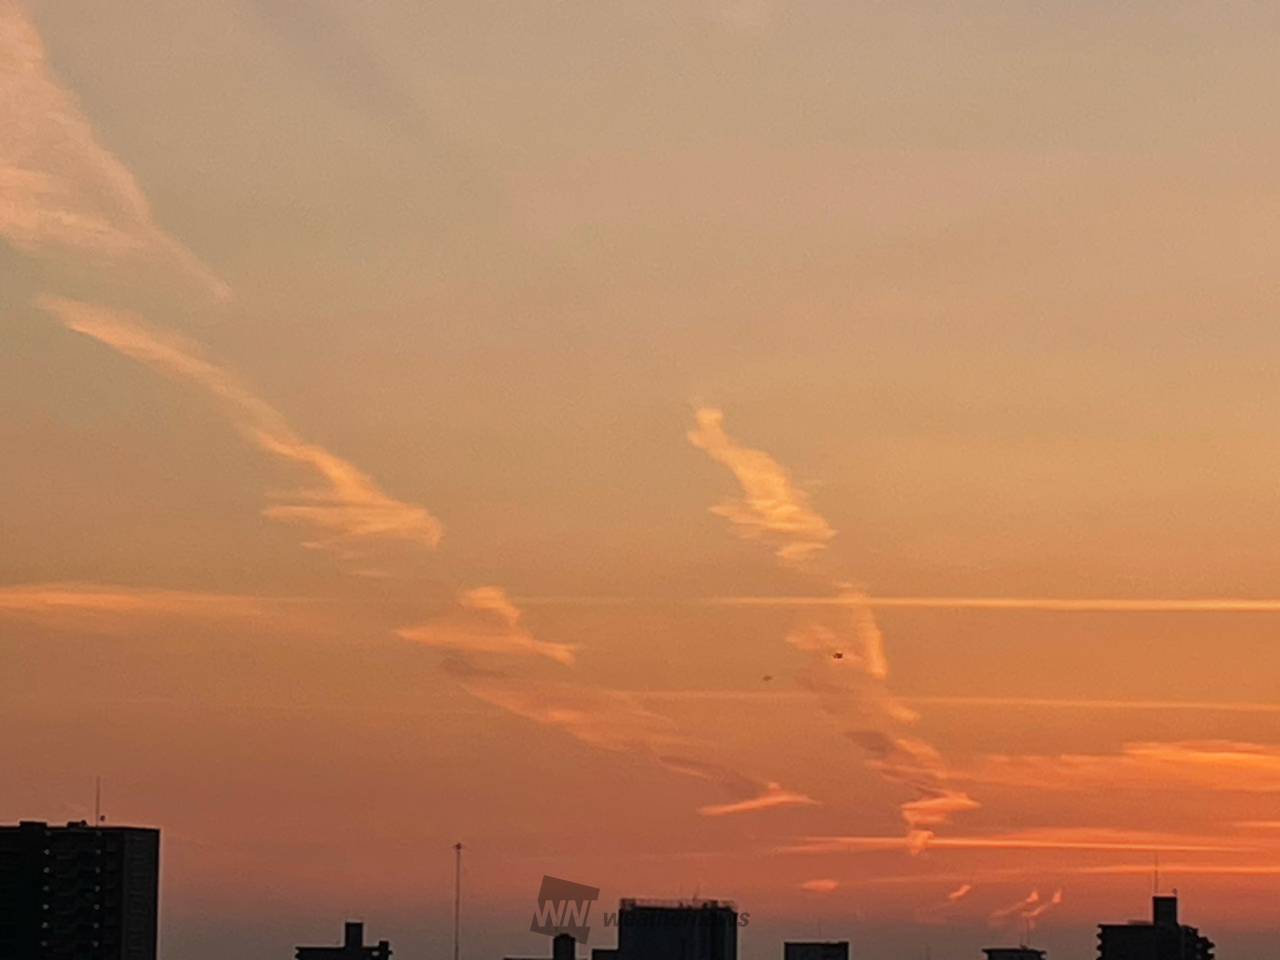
[
  {"x": 97, "y": 801},
  {"x": 457, "y": 896}
]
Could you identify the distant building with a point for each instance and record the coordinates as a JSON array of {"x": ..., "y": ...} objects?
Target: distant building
[
  {"x": 78, "y": 891},
  {"x": 1164, "y": 938},
  {"x": 563, "y": 947},
  {"x": 1013, "y": 953},
  {"x": 353, "y": 947},
  {"x": 674, "y": 930},
  {"x": 816, "y": 950}
]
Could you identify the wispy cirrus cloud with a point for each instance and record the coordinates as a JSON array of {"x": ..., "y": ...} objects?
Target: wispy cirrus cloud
[
  {"x": 1038, "y": 604},
  {"x": 1100, "y": 840},
  {"x": 938, "y": 910},
  {"x": 1057, "y": 703},
  {"x": 773, "y": 796},
  {"x": 60, "y": 188},
  {"x": 598, "y": 718},
  {"x": 1043, "y": 907},
  {"x": 486, "y": 622},
  {"x": 55, "y": 600},
  {"x": 1029, "y": 909},
  {"x": 770, "y": 697},
  {"x": 1181, "y": 867},
  {"x": 498, "y": 661},
  {"x": 115, "y": 610},
  {"x": 1016, "y": 909},
  {"x": 1213, "y": 765},
  {"x": 771, "y": 508},
  {"x": 820, "y": 885},
  {"x": 845, "y": 663},
  {"x": 346, "y": 507}
]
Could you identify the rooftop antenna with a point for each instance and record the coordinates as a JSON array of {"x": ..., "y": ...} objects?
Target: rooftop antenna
[
  {"x": 1155, "y": 877},
  {"x": 457, "y": 896},
  {"x": 97, "y": 801}
]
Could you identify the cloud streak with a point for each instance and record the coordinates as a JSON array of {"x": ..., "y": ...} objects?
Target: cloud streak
[
  {"x": 1040, "y": 909},
  {"x": 764, "y": 697},
  {"x": 938, "y": 911},
  {"x": 845, "y": 663},
  {"x": 346, "y": 507},
  {"x": 1019, "y": 908},
  {"x": 487, "y": 622},
  {"x": 1042, "y": 604},
  {"x": 498, "y": 661},
  {"x": 57, "y": 599},
  {"x": 820, "y": 885},
  {"x": 773, "y": 796},
  {"x": 1028, "y": 840},
  {"x": 1213, "y": 765},
  {"x": 60, "y": 189},
  {"x": 771, "y": 508}
]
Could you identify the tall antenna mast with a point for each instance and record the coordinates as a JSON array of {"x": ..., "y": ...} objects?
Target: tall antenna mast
[
  {"x": 457, "y": 896},
  {"x": 1155, "y": 877},
  {"x": 97, "y": 800}
]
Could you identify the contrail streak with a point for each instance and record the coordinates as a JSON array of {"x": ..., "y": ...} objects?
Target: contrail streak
[
  {"x": 1047, "y": 604},
  {"x": 846, "y": 664},
  {"x": 1033, "y": 604},
  {"x": 999, "y": 703}
]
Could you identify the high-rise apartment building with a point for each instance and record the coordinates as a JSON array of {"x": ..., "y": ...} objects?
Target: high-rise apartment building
[{"x": 78, "y": 892}]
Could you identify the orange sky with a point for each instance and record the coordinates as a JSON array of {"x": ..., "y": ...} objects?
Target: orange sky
[{"x": 816, "y": 455}]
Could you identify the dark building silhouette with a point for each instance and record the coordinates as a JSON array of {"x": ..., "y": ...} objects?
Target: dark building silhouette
[
  {"x": 1013, "y": 953},
  {"x": 78, "y": 891},
  {"x": 563, "y": 947},
  {"x": 816, "y": 950},
  {"x": 353, "y": 947},
  {"x": 674, "y": 930},
  {"x": 1164, "y": 938}
]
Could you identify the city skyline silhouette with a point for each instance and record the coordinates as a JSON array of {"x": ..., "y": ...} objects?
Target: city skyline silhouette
[{"x": 86, "y": 889}]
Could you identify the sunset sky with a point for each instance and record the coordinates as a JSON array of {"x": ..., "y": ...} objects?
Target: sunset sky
[{"x": 815, "y": 454}]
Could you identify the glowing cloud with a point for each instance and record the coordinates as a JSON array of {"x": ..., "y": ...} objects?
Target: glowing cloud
[
  {"x": 1020, "y": 908},
  {"x": 822, "y": 885},
  {"x": 771, "y": 507},
  {"x": 1036, "y": 604},
  {"x": 773, "y": 796},
  {"x": 494, "y": 658},
  {"x": 1202, "y": 764},
  {"x": 1042, "y": 908},
  {"x": 62, "y": 599},
  {"x": 347, "y": 505},
  {"x": 846, "y": 665},
  {"x": 59, "y": 187},
  {"x": 939, "y": 910},
  {"x": 1100, "y": 840},
  {"x": 487, "y": 622}
]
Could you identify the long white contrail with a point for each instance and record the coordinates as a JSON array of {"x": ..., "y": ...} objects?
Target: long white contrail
[
  {"x": 1042, "y": 604},
  {"x": 1048, "y": 604}
]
